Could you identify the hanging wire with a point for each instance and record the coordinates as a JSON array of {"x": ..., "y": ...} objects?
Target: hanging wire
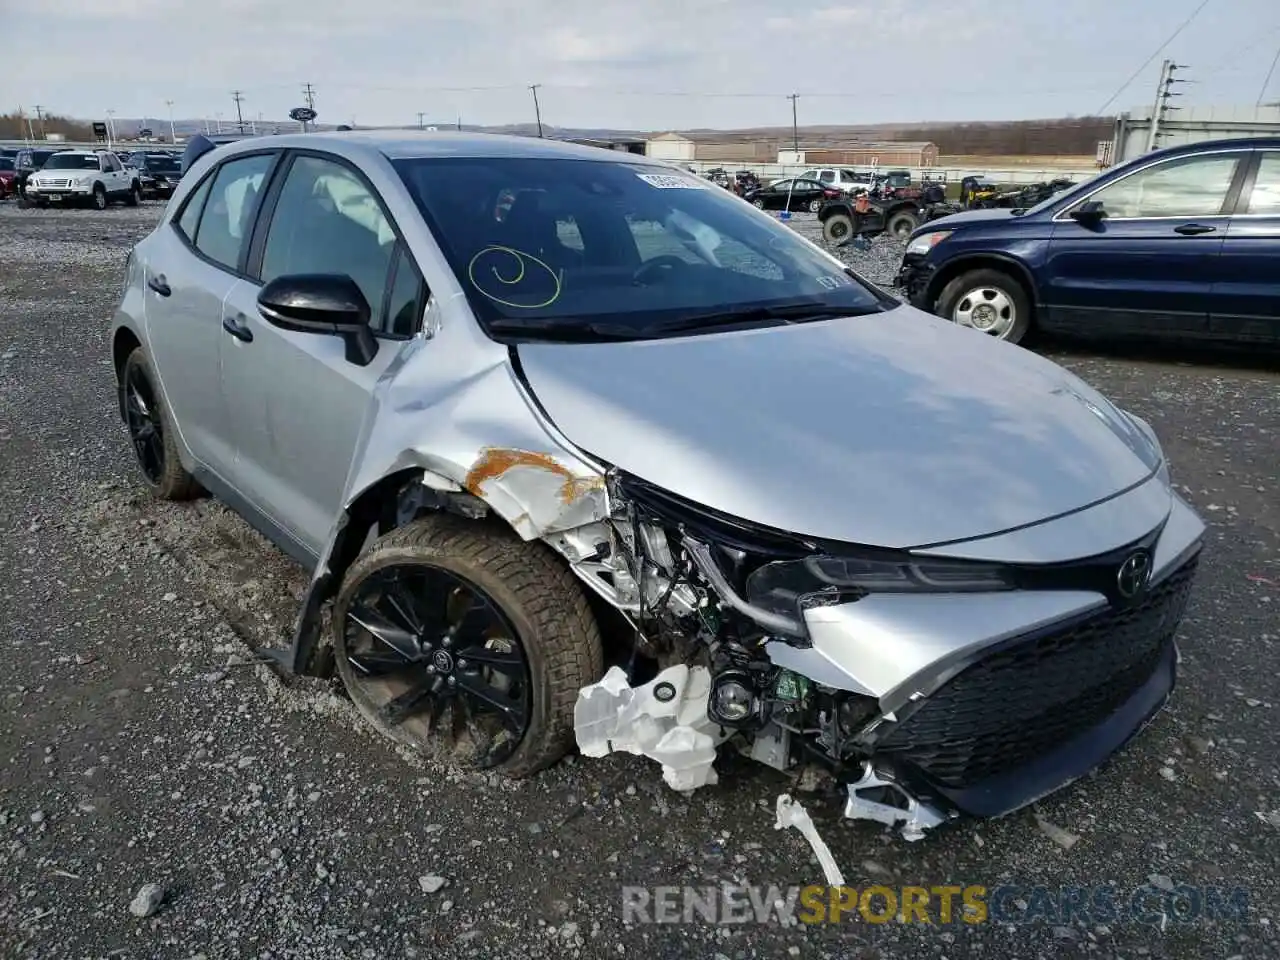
[
  {"x": 1267, "y": 82},
  {"x": 1146, "y": 63}
]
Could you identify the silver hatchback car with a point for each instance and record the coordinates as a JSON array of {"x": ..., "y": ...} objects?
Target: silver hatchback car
[{"x": 526, "y": 409}]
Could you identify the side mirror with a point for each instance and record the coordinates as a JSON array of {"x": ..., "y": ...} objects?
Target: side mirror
[
  {"x": 1091, "y": 211},
  {"x": 321, "y": 303}
]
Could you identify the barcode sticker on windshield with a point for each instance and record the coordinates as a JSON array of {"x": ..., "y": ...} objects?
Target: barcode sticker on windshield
[{"x": 665, "y": 182}]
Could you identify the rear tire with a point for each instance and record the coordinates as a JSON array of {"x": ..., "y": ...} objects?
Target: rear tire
[
  {"x": 837, "y": 227},
  {"x": 902, "y": 224},
  {"x": 168, "y": 479},
  {"x": 815, "y": 206},
  {"x": 99, "y": 199},
  {"x": 988, "y": 301},
  {"x": 135, "y": 195}
]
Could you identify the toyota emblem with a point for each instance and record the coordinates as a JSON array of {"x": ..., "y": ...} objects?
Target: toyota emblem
[{"x": 1133, "y": 575}]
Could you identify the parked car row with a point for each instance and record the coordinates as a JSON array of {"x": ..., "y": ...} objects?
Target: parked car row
[{"x": 44, "y": 176}]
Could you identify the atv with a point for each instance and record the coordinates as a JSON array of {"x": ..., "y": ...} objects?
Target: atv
[{"x": 862, "y": 215}]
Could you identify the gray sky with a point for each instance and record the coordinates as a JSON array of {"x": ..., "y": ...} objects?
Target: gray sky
[{"x": 644, "y": 64}]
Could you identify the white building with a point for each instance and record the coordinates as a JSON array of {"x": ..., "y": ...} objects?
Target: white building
[{"x": 670, "y": 146}]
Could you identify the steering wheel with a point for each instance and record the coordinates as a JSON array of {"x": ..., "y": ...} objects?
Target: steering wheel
[{"x": 662, "y": 265}]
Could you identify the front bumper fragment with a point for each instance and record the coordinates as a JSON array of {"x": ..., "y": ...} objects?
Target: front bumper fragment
[{"x": 913, "y": 279}]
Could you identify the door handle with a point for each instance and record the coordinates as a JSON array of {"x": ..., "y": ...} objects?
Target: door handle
[
  {"x": 1193, "y": 229},
  {"x": 159, "y": 285},
  {"x": 237, "y": 327}
]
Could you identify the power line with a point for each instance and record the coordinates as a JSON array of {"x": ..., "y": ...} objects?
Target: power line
[
  {"x": 1146, "y": 63},
  {"x": 1267, "y": 82}
]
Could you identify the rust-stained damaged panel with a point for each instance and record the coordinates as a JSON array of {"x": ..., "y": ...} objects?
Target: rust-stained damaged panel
[{"x": 495, "y": 462}]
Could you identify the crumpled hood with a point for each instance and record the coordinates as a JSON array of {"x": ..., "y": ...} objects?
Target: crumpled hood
[{"x": 896, "y": 429}]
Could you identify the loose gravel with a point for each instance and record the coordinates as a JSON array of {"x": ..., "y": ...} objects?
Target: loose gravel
[{"x": 165, "y": 794}]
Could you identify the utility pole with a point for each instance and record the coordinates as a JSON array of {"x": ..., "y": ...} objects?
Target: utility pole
[
  {"x": 537, "y": 111},
  {"x": 1164, "y": 93},
  {"x": 238, "y": 97},
  {"x": 173, "y": 137},
  {"x": 421, "y": 115},
  {"x": 40, "y": 117},
  {"x": 795, "y": 129},
  {"x": 459, "y": 122},
  {"x": 309, "y": 94},
  {"x": 111, "y": 128}
]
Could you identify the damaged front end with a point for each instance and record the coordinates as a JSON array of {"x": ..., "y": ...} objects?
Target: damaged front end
[
  {"x": 712, "y": 602},
  {"x": 924, "y": 688}
]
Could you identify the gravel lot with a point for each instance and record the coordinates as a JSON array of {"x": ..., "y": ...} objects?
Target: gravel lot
[{"x": 142, "y": 744}]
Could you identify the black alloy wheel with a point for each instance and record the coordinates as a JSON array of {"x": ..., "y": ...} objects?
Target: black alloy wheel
[
  {"x": 146, "y": 426},
  {"x": 438, "y": 657}
]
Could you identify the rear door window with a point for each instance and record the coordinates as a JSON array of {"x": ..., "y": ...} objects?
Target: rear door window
[
  {"x": 229, "y": 208},
  {"x": 190, "y": 218},
  {"x": 1264, "y": 199}
]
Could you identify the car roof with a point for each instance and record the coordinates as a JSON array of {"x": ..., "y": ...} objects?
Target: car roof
[
  {"x": 1241, "y": 143},
  {"x": 407, "y": 145}
]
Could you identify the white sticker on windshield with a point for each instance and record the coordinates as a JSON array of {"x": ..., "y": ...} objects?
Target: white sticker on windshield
[{"x": 666, "y": 182}]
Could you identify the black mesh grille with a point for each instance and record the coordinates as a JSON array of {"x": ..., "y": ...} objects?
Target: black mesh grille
[{"x": 1028, "y": 698}]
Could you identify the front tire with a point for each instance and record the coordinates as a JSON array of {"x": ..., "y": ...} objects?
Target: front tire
[
  {"x": 990, "y": 301},
  {"x": 151, "y": 431},
  {"x": 460, "y": 640}
]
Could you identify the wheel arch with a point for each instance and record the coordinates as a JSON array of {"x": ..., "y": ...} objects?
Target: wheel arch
[
  {"x": 485, "y": 496},
  {"x": 832, "y": 207},
  {"x": 123, "y": 343},
  {"x": 982, "y": 261}
]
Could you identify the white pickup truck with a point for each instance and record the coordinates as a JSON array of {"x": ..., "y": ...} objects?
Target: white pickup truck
[{"x": 96, "y": 176}]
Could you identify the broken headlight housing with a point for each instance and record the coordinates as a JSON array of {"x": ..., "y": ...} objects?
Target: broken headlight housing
[{"x": 789, "y": 587}]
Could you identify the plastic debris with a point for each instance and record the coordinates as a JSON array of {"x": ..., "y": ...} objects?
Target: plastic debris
[
  {"x": 1059, "y": 835},
  {"x": 665, "y": 720},
  {"x": 792, "y": 814}
]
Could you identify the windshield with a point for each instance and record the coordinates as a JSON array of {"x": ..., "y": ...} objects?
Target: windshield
[
  {"x": 557, "y": 245},
  {"x": 72, "y": 161},
  {"x": 159, "y": 164}
]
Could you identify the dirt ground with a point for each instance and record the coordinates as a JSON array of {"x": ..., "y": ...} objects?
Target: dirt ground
[{"x": 143, "y": 744}]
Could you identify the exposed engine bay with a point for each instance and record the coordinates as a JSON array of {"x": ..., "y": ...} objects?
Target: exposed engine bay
[{"x": 705, "y": 596}]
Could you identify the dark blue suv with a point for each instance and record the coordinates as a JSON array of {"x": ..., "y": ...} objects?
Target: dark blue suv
[{"x": 1180, "y": 243}]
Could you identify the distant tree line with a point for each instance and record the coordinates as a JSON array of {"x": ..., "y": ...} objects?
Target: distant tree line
[
  {"x": 13, "y": 126},
  {"x": 1067, "y": 137}
]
